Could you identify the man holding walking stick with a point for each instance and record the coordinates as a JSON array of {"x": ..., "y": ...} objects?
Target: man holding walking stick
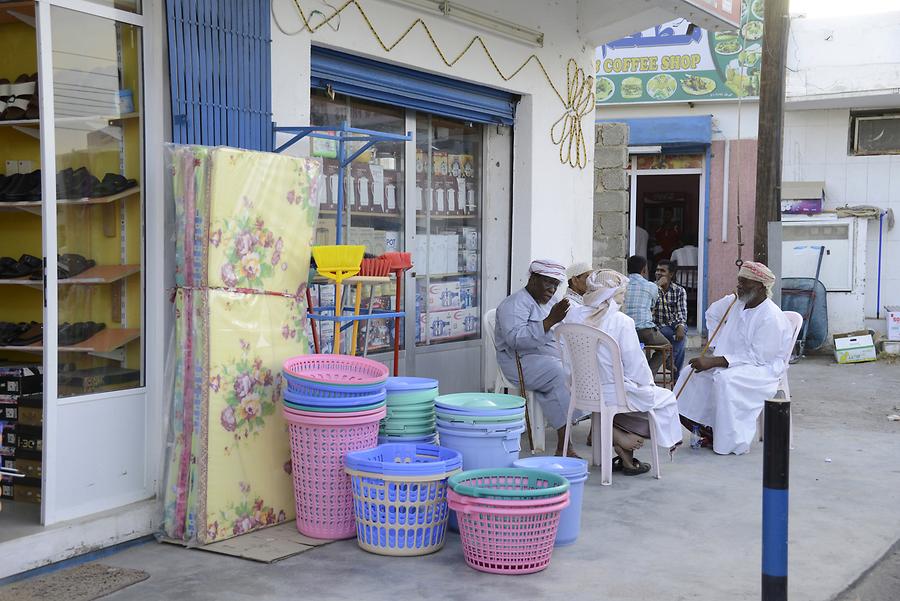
[{"x": 723, "y": 393}]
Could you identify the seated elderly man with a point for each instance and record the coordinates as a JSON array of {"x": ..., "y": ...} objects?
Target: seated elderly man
[
  {"x": 728, "y": 390},
  {"x": 605, "y": 292},
  {"x": 523, "y": 327},
  {"x": 578, "y": 274}
]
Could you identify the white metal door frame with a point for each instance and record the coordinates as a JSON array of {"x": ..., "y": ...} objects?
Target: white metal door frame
[{"x": 702, "y": 218}]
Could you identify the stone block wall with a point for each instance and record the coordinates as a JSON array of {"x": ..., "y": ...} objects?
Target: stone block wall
[{"x": 611, "y": 197}]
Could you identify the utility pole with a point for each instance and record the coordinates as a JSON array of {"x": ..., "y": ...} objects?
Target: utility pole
[{"x": 770, "y": 137}]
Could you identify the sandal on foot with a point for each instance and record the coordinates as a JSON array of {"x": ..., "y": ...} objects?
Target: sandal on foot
[
  {"x": 641, "y": 468},
  {"x": 617, "y": 464}
]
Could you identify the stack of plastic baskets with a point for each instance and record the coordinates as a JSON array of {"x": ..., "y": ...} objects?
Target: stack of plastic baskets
[
  {"x": 410, "y": 411},
  {"x": 576, "y": 472},
  {"x": 485, "y": 427},
  {"x": 508, "y": 518},
  {"x": 333, "y": 405},
  {"x": 400, "y": 497}
]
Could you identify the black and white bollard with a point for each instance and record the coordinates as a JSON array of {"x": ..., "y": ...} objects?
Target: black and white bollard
[{"x": 776, "y": 451}]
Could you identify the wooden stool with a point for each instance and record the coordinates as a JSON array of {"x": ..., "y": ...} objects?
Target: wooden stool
[{"x": 667, "y": 379}]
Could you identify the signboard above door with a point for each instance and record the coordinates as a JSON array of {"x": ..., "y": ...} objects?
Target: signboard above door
[{"x": 674, "y": 62}]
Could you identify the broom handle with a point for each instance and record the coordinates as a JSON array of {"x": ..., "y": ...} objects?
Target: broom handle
[
  {"x": 708, "y": 342},
  {"x": 524, "y": 395}
]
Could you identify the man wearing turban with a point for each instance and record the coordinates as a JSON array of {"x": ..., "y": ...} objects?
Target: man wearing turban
[
  {"x": 577, "y": 275},
  {"x": 523, "y": 327},
  {"x": 605, "y": 292},
  {"x": 724, "y": 393}
]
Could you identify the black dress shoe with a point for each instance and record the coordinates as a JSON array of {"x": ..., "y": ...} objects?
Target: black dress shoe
[
  {"x": 10, "y": 183},
  {"x": 24, "y": 189}
]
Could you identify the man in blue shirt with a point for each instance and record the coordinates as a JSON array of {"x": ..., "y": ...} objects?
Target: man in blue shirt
[{"x": 640, "y": 300}]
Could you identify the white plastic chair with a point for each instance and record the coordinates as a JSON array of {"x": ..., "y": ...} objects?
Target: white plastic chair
[
  {"x": 535, "y": 415},
  {"x": 796, "y": 321},
  {"x": 586, "y": 377}
]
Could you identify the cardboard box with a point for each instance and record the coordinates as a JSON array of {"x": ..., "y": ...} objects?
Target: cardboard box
[
  {"x": 439, "y": 160},
  {"x": 465, "y": 322},
  {"x": 25, "y": 491},
  {"x": 17, "y": 380},
  {"x": 470, "y": 260},
  {"x": 854, "y": 347},
  {"x": 391, "y": 241},
  {"x": 30, "y": 467},
  {"x": 468, "y": 289},
  {"x": 98, "y": 379},
  {"x": 470, "y": 238},
  {"x": 29, "y": 439},
  {"x": 9, "y": 412},
  {"x": 439, "y": 325},
  {"x": 455, "y": 162},
  {"x": 893, "y": 322},
  {"x": 443, "y": 296}
]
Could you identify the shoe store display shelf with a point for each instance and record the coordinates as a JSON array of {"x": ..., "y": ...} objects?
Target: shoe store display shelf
[
  {"x": 10, "y": 12},
  {"x": 109, "y": 119},
  {"x": 101, "y": 274},
  {"x": 106, "y": 343},
  {"x": 35, "y": 205}
]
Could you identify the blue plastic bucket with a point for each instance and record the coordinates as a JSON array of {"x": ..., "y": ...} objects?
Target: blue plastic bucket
[
  {"x": 482, "y": 449},
  {"x": 494, "y": 428},
  {"x": 576, "y": 472},
  {"x": 423, "y": 439}
]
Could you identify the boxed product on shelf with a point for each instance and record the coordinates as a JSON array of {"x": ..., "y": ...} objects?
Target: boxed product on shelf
[
  {"x": 437, "y": 325},
  {"x": 468, "y": 288},
  {"x": 6, "y": 488},
  {"x": 391, "y": 241},
  {"x": 9, "y": 411},
  {"x": 470, "y": 237},
  {"x": 31, "y": 468},
  {"x": 31, "y": 410},
  {"x": 443, "y": 296},
  {"x": 470, "y": 197},
  {"x": 439, "y": 203},
  {"x": 16, "y": 380},
  {"x": 7, "y": 434},
  {"x": 98, "y": 379},
  {"x": 376, "y": 179},
  {"x": 469, "y": 260},
  {"x": 330, "y": 173},
  {"x": 451, "y": 197},
  {"x": 420, "y": 160},
  {"x": 391, "y": 180},
  {"x": 465, "y": 322},
  {"x": 23, "y": 490},
  {"x": 460, "y": 195},
  {"x": 455, "y": 164},
  {"x": 439, "y": 162},
  {"x": 468, "y": 165},
  {"x": 29, "y": 439},
  {"x": 362, "y": 180}
]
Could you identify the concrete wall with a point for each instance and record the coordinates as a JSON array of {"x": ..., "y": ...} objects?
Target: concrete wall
[
  {"x": 843, "y": 55},
  {"x": 611, "y": 198},
  {"x": 550, "y": 198},
  {"x": 723, "y": 246},
  {"x": 815, "y": 148}
]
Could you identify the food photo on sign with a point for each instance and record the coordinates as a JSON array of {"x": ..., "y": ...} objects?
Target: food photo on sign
[{"x": 673, "y": 62}]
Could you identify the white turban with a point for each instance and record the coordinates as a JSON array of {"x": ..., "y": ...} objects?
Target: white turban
[
  {"x": 758, "y": 272},
  {"x": 577, "y": 269},
  {"x": 603, "y": 288},
  {"x": 549, "y": 268}
]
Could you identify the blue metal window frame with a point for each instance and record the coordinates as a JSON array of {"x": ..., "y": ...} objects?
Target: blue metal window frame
[{"x": 376, "y": 81}]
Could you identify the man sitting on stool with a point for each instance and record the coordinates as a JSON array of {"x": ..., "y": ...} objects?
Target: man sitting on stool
[
  {"x": 523, "y": 326},
  {"x": 670, "y": 314},
  {"x": 640, "y": 298}
]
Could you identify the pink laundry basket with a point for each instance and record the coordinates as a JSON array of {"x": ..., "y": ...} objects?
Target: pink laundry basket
[
  {"x": 512, "y": 536},
  {"x": 322, "y": 491}
]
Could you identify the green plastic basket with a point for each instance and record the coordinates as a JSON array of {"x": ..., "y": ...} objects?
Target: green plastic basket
[
  {"x": 508, "y": 483},
  {"x": 480, "y": 400},
  {"x": 413, "y": 397},
  {"x": 334, "y": 409}
]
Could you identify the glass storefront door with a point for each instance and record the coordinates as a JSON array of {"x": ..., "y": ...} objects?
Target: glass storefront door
[{"x": 445, "y": 190}]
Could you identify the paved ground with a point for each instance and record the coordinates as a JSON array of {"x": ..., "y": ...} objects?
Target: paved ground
[
  {"x": 694, "y": 535},
  {"x": 882, "y": 583}
]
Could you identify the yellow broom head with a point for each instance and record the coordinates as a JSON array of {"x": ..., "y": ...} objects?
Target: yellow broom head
[{"x": 338, "y": 258}]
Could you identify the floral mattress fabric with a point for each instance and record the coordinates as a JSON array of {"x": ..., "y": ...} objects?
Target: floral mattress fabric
[{"x": 245, "y": 223}]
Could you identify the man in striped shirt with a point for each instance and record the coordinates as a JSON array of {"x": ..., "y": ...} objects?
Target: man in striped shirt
[{"x": 670, "y": 314}]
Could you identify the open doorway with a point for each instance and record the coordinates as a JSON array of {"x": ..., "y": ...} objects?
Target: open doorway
[{"x": 667, "y": 220}]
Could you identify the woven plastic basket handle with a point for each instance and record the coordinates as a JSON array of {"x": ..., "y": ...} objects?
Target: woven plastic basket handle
[{"x": 467, "y": 509}]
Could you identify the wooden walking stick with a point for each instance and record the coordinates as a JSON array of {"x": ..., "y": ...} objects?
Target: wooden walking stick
[
  {"x": 708, "y": 342},
  {"x": 524, "y": 395}
]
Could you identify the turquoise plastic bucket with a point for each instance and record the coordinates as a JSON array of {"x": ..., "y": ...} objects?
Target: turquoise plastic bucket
[{"x": 576, "y": 472}]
